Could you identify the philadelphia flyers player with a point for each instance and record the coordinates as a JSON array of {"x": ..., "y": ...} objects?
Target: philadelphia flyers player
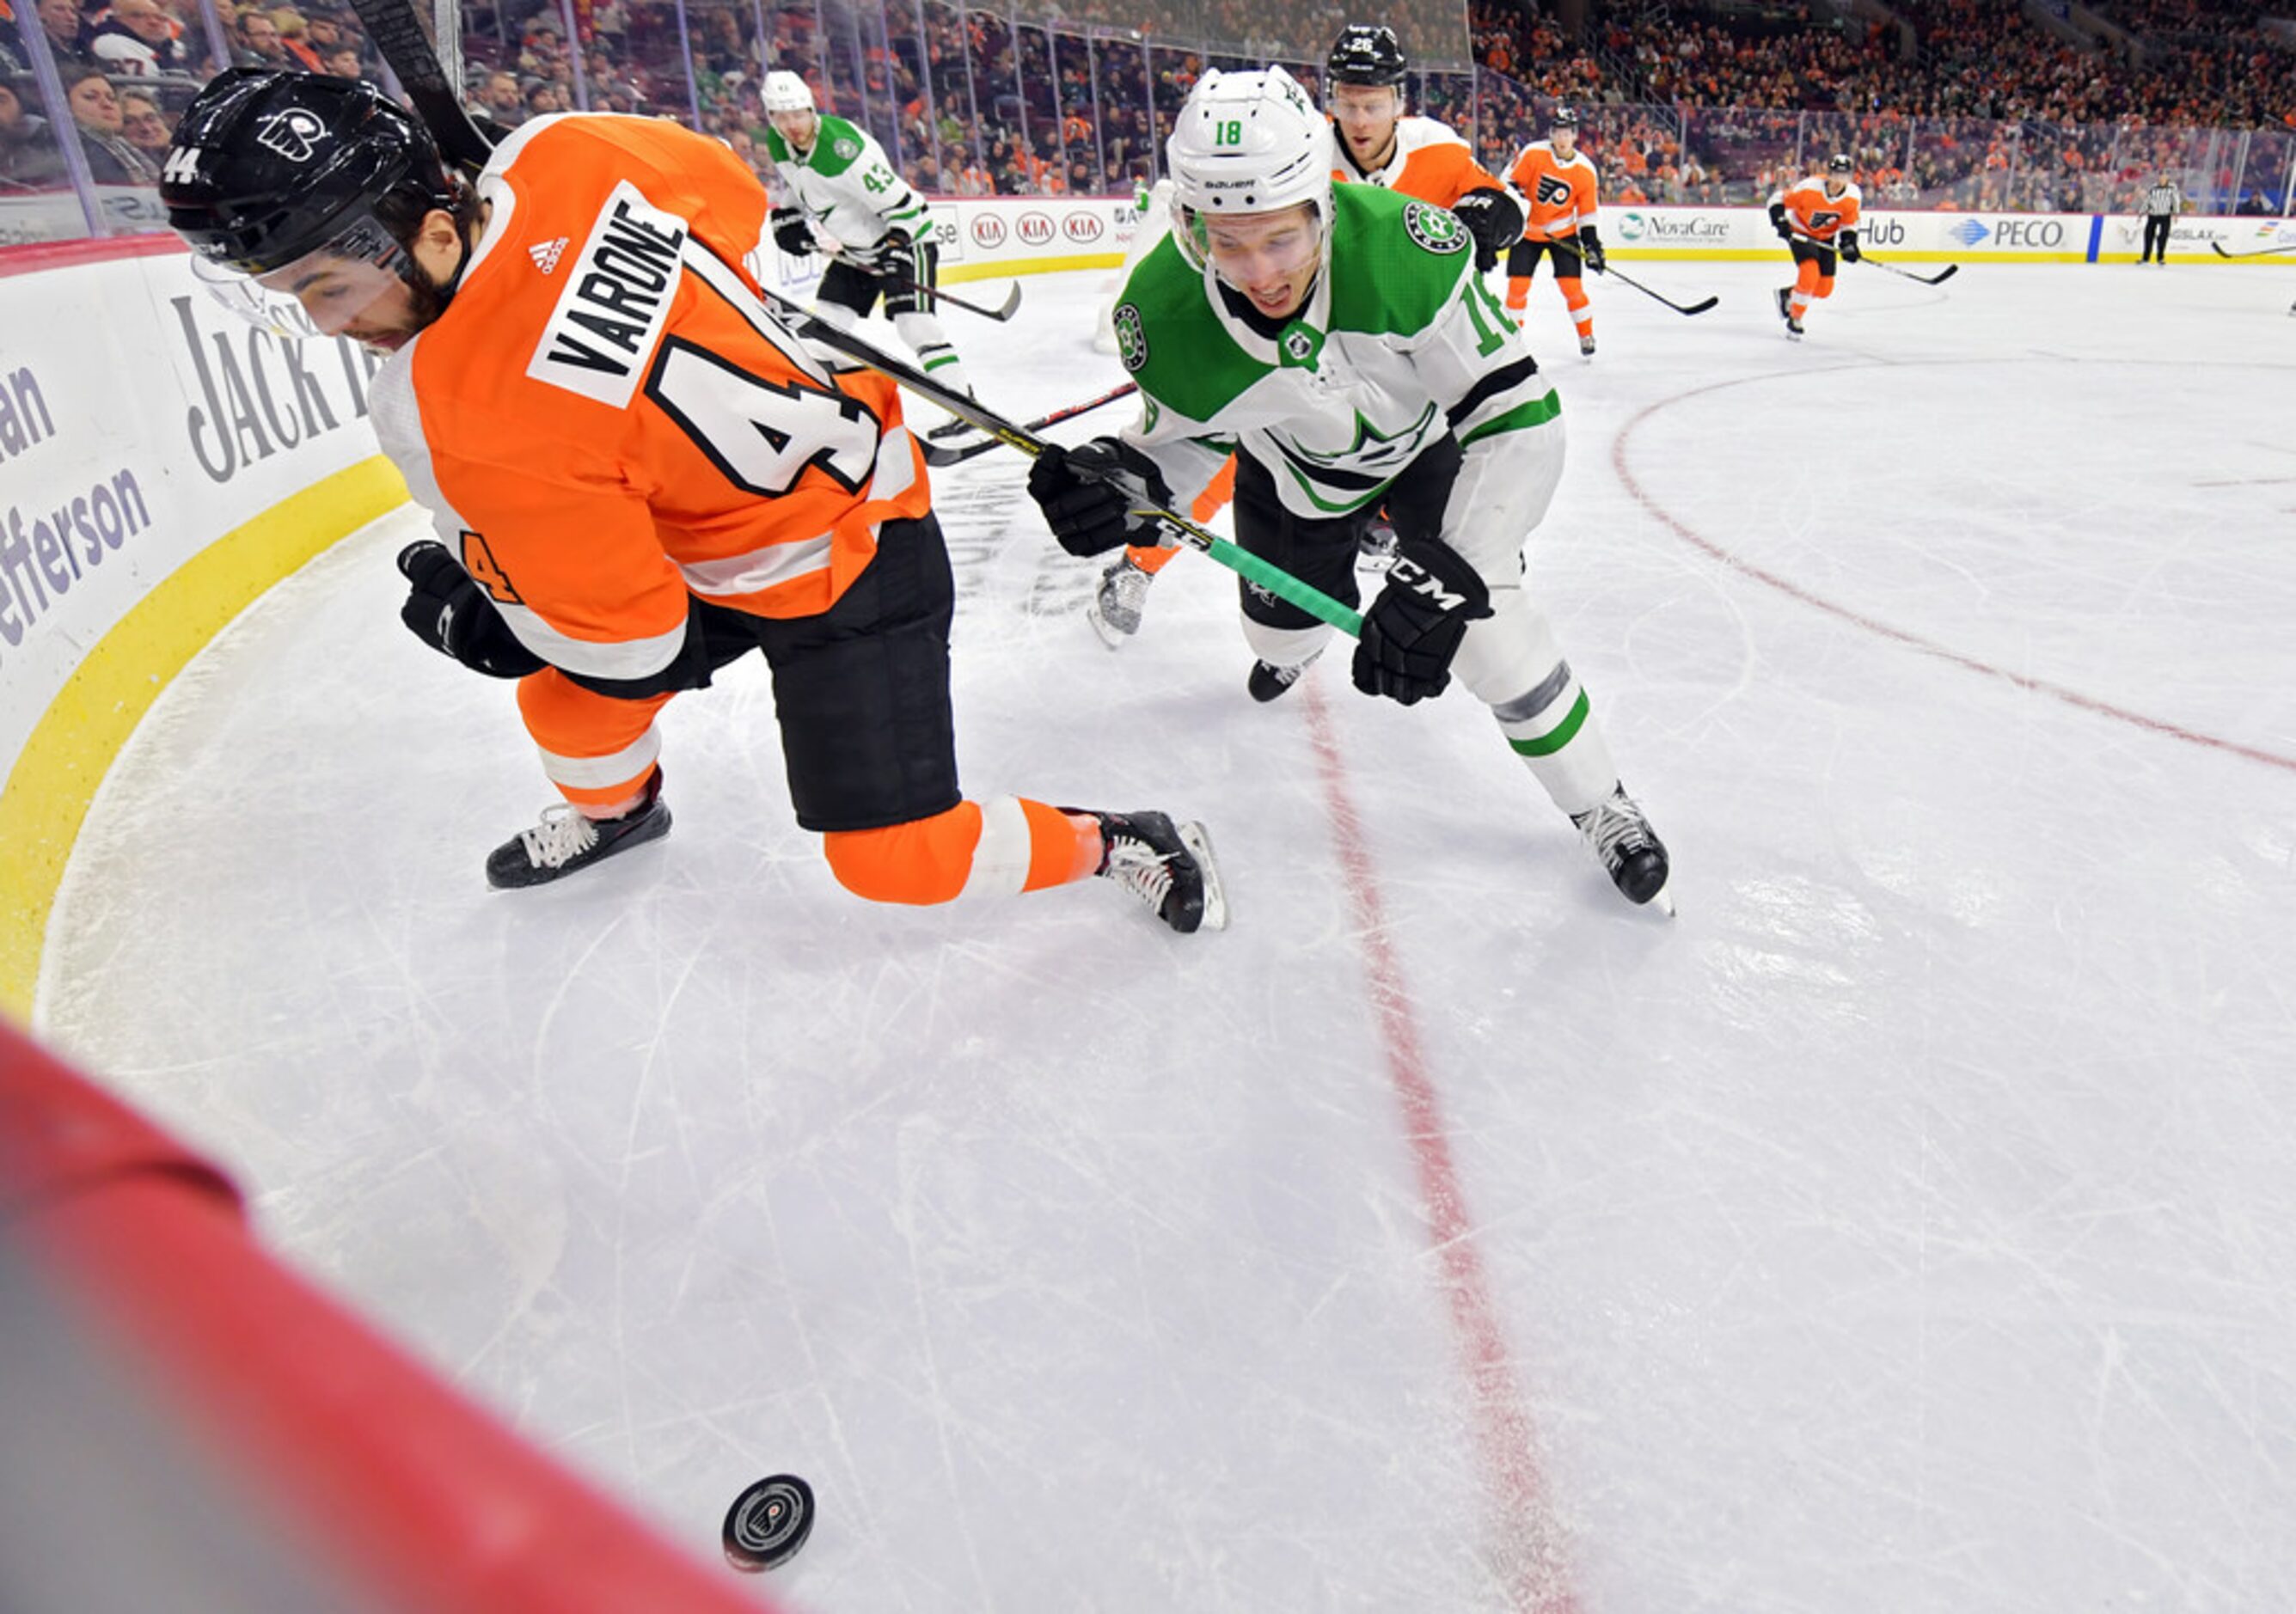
[
  {"x": 1557, "y": 184},
  {"x": 637, "y": 475},
  {"x": 1818, "y": 218}
]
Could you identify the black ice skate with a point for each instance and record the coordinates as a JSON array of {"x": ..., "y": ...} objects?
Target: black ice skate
[
  {"x": 566, "y": 840},
  {"x": 1167, "y": 866},
  {"x": 1630, "y": 851},
  {"x": 1267, "y": 681},
  {"x": 1785, "y": 303},
  {"x": 1587, "y": 346}
]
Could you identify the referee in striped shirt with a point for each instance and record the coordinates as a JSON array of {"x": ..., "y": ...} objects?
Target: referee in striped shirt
[{"x": 2163, "y": 203}]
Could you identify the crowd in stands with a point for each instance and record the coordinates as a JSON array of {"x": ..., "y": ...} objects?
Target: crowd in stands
[{"x": 1971, "y": 105}]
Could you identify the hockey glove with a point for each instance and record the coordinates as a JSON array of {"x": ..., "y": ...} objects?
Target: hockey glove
[
  {"x": 453, "y": 615},
  {"x": 887, "y": 256},
  {"x": 1590, "y": 248},
  {"x": 1778, "y": 221},
  {"x": 1849, "y": 251},
  {"x": 1494, "y": 219},
  {"x": 792, "y": 233},
  {"x": 1089, "y": 494},
  {"x": 1413, "y": 629}
]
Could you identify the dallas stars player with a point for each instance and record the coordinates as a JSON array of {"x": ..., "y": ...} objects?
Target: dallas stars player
[
  {"x": 842, "y": 186},
  {"x": 1338, "y": 338}
]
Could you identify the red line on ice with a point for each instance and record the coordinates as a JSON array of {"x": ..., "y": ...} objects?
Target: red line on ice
[
  {"x": 1928, "y": 647},
  {"x": 1531, "y": 1540}
]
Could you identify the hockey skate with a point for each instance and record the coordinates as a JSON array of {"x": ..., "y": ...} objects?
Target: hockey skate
[
  {"x": 1630, "y": 851},
  {"x": 1267, "y": 681},
  {"x": 1793, "y": 329},
  {"x": 1114, "y": 612},
  {"x": 566, "y": 840},
  {"x": 1785, "y": 303},
  {"x": 1169, "y": 866},
  {"x": 1587, "y": 346}
]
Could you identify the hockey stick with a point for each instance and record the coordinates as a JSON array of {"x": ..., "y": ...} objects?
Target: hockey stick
[
  {"x": 396, "y": 26},
  {"x": 398, "y": 33},
  {"x": 1273, "y": 578},
  {"x": 938, "y": 455},
  {"x": 1696, "y": 308},
  {"x": 1938, "y": 279},
  {"x": 2259, "y": 252},
  {"x": 1004, "y": 311},
  {"x": 909, "y": 283}
]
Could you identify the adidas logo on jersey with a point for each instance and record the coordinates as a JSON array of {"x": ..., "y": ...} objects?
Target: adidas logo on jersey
[{"x": 546, "y": 256}]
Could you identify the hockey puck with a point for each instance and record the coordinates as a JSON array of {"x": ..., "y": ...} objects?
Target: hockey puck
[{"x": 768, "y": 1523}]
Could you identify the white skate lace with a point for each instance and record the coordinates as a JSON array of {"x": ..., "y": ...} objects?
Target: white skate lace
[
  {"x": 1122, "y": 592},
  {"x": 1614, "y": 827},
  {"x": 563, "y": 833},
  {"x": 1147, "y": 874}
]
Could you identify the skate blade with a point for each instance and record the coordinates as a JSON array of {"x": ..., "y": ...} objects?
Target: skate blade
[
  {"x": 1109, "y": 634},
  {"x": 1198, "y": 839}
]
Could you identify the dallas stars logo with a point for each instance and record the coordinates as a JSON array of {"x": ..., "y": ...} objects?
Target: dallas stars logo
[
  {"x": 1131, "y": 341},
  {"x": 1434, "y": 228}
]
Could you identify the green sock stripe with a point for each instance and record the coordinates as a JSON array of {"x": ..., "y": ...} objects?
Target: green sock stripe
[
  {"x": 1556, "y": 739},
  {"x": 940, "y": 364}
]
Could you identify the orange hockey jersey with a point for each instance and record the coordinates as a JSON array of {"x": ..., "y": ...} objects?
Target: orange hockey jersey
[
  {"x": 1558, "y": 196},
  {"x": 1429, "y": 161},
  {"x": 606, "y": 418},
  {"x": 1815, "y": 214}
]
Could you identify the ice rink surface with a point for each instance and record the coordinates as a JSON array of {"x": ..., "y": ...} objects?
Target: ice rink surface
[{"x": 1909, "y": 1225}]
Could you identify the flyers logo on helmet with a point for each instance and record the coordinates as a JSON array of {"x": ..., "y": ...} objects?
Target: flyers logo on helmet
[{"x": 294, "y": 134}]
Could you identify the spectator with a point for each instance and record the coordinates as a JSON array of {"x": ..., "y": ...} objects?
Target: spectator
[
  {"x": 503, "y": 101},
  {"x": 66, "y": 30},
  {"x": 140, "y": 40},
  {"x": 260, "y": 43},
  {"x": 96, "y": 113},
  {"x": 28, "y": 158},
  {"x": 294, "y": 38},
  {"x": 145, "y": 123}
]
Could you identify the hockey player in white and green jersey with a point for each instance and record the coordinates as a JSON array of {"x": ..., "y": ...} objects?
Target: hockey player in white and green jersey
[
  {"x": 840, "y": 190},
  {"x": 1337, "y": 339}
]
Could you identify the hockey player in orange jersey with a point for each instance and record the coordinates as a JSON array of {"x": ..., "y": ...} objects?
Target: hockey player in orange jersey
[
  {"x": 1379, "y": 144},
  {"x": 638, "y": 474},
  {"x": 1557, "y": 184},
  {"x": 1818, "y": 218}
]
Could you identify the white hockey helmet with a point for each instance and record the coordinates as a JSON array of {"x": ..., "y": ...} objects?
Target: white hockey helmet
[
  {"x": 785, "y": 92},
  {"x": 1248, "y": 142}
]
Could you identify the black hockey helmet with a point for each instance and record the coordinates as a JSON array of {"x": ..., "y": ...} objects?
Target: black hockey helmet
[
  {"x": 1565, "y": 118},
  {"x": 268, "y": 165},
  {"x": 1366, "y": 53},
  {"x": 1839, "y": 163}
]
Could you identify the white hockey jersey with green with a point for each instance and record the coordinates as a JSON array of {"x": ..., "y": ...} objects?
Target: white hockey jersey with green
[
  {"x": 846, "y": 186},
  {"x": 1399, "y": 343}
]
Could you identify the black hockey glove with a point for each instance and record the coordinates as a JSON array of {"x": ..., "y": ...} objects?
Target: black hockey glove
[
  {"x": 1778, "y": 221},
  {"x": 1088, "y": 494},
  {"x": 1494, "y": 219},
  {"x": 1590, "y": 248},
  {"x": 1849, "y": 251},
  {"x": 792, "y": 233},
  {"x": 890, "y": 256},
  {"x": 1413, "y": 629},
  {"x": 453, "y": 615}
]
